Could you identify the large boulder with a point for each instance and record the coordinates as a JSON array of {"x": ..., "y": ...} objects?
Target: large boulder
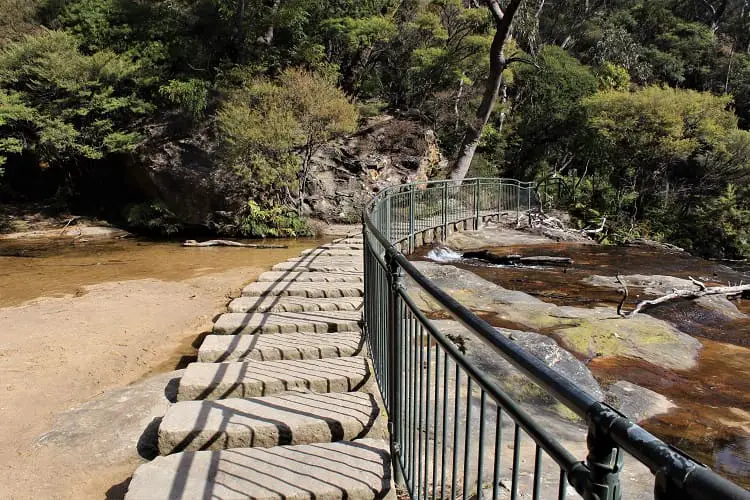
[
  {"x": 386, "y": 151},
  {"x": 183, "y": 170}
]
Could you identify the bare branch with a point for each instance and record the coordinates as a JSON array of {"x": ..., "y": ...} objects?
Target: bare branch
[
  {"x": 690, "y": 294},
  {"x": 525, "y": 60},
  {"x": 700, "y": 284}
]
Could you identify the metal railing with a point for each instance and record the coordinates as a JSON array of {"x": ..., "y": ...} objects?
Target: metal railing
[{"x": 447, "y": 417}]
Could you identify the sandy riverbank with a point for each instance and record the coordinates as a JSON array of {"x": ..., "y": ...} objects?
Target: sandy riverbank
[{"x": 67, "y": 360}]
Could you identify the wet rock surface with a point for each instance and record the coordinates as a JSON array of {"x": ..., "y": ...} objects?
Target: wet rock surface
[
  {"x": 637, "y": 402},
  {"x": 590, "y": 333},
  {"x": 700, "y": 407}
]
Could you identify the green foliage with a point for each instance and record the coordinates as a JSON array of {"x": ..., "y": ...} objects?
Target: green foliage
[
  {"x": 612, "y": 77},
  {"x": 190, "y": 95},
  {"x": 266, "y": 123},
  {"x": 278, "y": 221},
  {"x": 547, "y": 110},
  {"x": 153, "y": 217},
  {"x": 60, "y": 104},
  {"x": 722, "y": 225}
]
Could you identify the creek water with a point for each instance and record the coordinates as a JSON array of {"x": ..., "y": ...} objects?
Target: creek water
[
  {"x": 712, "y": 419},
  {"x": 33, "y": 268}
]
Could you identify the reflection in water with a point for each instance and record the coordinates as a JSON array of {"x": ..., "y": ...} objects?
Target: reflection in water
[
  {"x": 712, "y": 418},
  {"x": 42, "y": 268}
]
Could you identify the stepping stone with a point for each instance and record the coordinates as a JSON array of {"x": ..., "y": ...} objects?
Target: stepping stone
[
  {"x": 218, "y": 348},
  {"x": 293, "y": 304},
  {"x": 329, "y": 266},
  {"x": 262, "y": 378},
  {"x": 330, "y": 260},
  {"x": 310, "y": 289},
  {"x": 288, "y": 322},
  {"x": 349, "y": 239},
  {"x": 355, "y": 470},
  {"x": 332, "y": 252},
  {"x": 290, "y": 419},
  {"x": 305, "y": 276},
  {"x": 351, "y": 246}
]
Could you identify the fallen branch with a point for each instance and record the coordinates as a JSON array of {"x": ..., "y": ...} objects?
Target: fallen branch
[
  {"x": 70, "y": 221},
  {"x": 514, "y": 259},
  {"x": 702, "y": 291},
  {"x": 227, "y": 243},
  {"x": 596, "y": 231}
]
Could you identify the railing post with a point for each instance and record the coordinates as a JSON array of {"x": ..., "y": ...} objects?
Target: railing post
[
  {"x": 445, "y": 210},
  {"x": 518, "y": 203},
  {"x": 476, "y": 204},
  {"x": 604, "y": 461},
  {"x": 412, "y": 209},
  {"x": 395, "y": 283},
  {"x": 499, "y": 199}
]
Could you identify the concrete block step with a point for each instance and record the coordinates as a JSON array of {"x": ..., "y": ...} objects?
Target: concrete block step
[
  {"x": 332, "y": 252},
  {"x": 309, "y": 289},
  {"x": 271, "y": 303},
  {"x": 306, "y": 276},
  {"x": 218, "y": 348},
  {"x": 355, "y": 470},
  {"x": 359, "y": 245},
  {"x": 288, "y": 322},
  {"x": 349, "y": 239},
  {"x": 289, "y": 419},
  {"x": 262, "y": 378},
  {"x": 330, "y": 266}
]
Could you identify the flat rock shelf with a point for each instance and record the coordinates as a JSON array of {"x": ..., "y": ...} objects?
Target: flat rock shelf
[{"x": 282, "y": 401}]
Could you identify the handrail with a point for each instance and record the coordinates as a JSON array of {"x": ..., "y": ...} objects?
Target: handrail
[{"x": 394, "y": 219}]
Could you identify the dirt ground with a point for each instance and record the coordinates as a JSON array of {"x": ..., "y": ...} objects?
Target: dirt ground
[{"x": 90, "y": 338}]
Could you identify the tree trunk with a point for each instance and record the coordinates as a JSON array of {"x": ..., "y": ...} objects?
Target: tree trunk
[{"x": 503, "y": 19}]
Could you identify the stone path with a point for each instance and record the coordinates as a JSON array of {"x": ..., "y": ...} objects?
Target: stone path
[{"x": 282, "y": 401}]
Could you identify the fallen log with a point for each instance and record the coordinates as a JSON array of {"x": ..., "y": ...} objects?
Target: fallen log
[
  {"x": 702, "y": 291},
  {"x": 227, "y": 243},
  {"x": 515, "y": 259}
]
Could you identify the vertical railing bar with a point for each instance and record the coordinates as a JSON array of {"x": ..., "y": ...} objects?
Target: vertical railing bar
[
  {"x": 562, "y": 490},
  {"x": 467, "y": 438},
  {"x": 537, "y": 473},
  {"x": 420, "y": 421},
  {"x": 435, "y": 424},
  {"x": 414, "y": 423},
  {"x": 498, "y": 453},
  {"x": 480, "y": 455},
  {"x": 404, "y": 379},
  {"x": 426, "y": 454},
  {"x": 445, "y": 425},
  {"x": 456, "y": 409},
  {"x": 516, "y": 461}
]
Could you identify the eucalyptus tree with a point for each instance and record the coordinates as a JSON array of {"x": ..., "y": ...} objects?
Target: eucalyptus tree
[{"x": 503, "y": 17}]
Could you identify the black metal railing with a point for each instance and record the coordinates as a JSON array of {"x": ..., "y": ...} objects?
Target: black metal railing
[{"x": 449, "y": 420}]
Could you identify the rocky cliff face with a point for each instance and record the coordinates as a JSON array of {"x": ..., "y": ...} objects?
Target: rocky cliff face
[
  {"x": 188, "y": 177},
  {"x": 388, "y": 150}
]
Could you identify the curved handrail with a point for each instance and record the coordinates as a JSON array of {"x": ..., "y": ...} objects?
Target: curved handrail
[{"x": 675, "y": 471}]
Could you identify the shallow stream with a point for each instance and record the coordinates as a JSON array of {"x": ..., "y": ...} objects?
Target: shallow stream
[{"x": 32, "y": 268}]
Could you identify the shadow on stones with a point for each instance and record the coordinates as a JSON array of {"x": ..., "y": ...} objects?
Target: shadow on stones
[
  {"x": 117, "y": 492},
  {"x": 201, "y": 337},
  {"x": 170, "y": 391},
  {"x": 185, "y": 361},
  {"x": 148, "y": 443}
]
